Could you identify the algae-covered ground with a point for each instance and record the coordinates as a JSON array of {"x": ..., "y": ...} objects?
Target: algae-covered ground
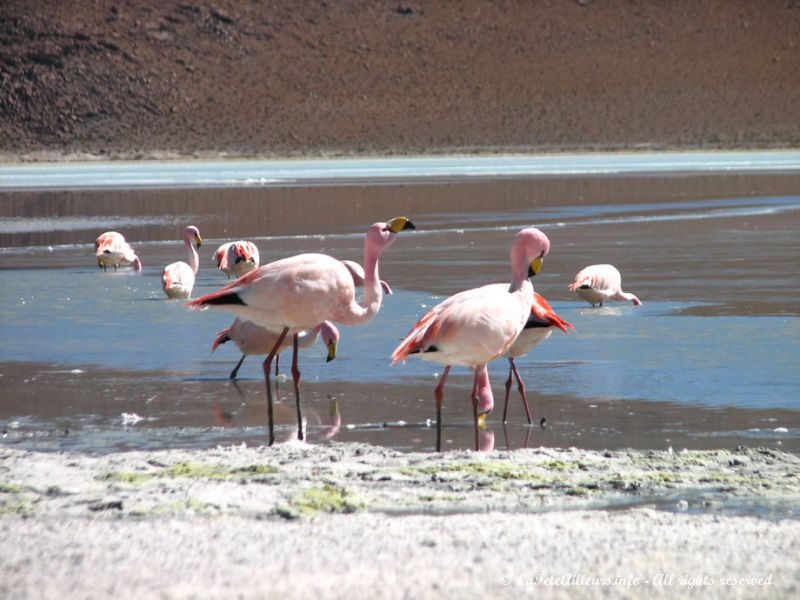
[{"x": 347, "y": 520}]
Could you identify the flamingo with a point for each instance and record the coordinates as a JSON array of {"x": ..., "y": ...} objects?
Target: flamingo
[
  {"x": 253, "y": 339},
  {"x": 543, "y": 319},
  {"x": 299, "y": 292},
  {"x": 177, "y": 280},
  {"x": 599, "y": 283},
  {"x": 237, "y": 258},
  {"x": 112, "y": 249},
  {"x": 476, "y": 326}
]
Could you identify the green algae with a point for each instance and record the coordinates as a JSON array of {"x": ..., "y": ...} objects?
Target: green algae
[
  {"x": 327, "y": 498},
  {"x": 191, "y": 471}
]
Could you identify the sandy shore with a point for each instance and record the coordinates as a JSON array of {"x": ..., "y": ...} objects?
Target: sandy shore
[{"x": 338, "y": 520}]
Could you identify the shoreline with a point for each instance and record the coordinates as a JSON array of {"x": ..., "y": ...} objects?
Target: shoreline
[{"x": 527, "y": 521}]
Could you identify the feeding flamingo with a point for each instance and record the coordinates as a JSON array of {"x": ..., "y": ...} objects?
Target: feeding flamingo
[
  {"x": 474, "y": 327},
  {"x": 253, "y": 339},
  {"x": 177, "y": 280},
  {"x": 237, "y": 258},
  {"x": 300, "y": 292},
  {"x": 541, "y": 322},
  {"x": 112, "y": 249},
  {"x": 598, "y": 283}
]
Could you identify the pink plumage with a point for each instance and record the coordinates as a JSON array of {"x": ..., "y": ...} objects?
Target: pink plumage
[
  {"x": 599, "y": 283},
  {"x": 110, "y": 248},
  {"x": 177, "y": 279},
  {"x": 237, "y": 258},
  {"x": 298, "y": 293},
  {"x": 476, "y": 326}
]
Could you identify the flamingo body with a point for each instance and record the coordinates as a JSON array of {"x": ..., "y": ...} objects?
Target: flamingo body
[
  {"x": 177, "y": 279},
  {"x": 251, "y": 339},
  {"x": 300, "y": 292},
  {"x": 599, "y": 283},
  {"x": 476, "y": 326},
  {"x": 237, "y": 258},
  {"x": 111, "y": 249}
]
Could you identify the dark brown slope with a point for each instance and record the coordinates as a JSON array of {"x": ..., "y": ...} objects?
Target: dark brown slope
[{"x": 345, "y": 76}]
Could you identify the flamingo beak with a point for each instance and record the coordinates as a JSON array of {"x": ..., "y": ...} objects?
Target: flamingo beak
[
  {"x": 398, "y": 224},
  {"x": 198, "y": 241},
  {"x": 535, "y": 266},
  {"x": 482, "y": 421},
  {"x": 331, "y": 351}
]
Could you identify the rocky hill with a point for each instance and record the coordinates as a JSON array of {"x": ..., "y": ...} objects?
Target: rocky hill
[{"x": 288, "y": 77}]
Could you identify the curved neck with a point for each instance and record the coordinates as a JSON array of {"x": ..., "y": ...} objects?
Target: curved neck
[
  {"x": 364, "y": 311},
  {"x": 194, "y": 259}
]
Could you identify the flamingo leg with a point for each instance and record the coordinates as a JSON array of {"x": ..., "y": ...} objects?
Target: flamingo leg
[
  {"x": 277, "y": 360},
  {"x": 521, "y": 388},
  {"x": 296, "y": 379},
  {"x": 236, "y": 368},
  {"x": 475, "y": 410},
  {"x": 508, "y": 391},
  {"x": 439, "y": 394},
  {"x": 267, "y": 370}
]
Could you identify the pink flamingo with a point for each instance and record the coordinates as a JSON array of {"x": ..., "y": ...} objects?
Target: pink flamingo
[
  {"x": 543, "y": 319},
  {"x": 177, "y": 280},
  {"x": 300, "y": 292},
  {"x": 237, "y": 258},
  {"x": 599, "y": 283},
  {"x": 474, "y": 327},
  {"x": 253, "y": 339},
  {"x": 112, "y": 249}
]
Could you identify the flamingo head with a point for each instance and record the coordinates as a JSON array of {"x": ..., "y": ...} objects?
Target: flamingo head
[
  {"x": 528, "y": 250},
  {"x": 330, "y": 335},
  {"x": 381, "y": 235},
  {"x": 192, "y": 234}
]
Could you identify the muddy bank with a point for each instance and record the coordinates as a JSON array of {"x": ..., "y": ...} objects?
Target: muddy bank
[
  {"x": 225, "y": 78},
  {"x": 335, "y": 520}
]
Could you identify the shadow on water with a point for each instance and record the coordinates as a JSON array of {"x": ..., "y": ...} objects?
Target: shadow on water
[{"x": 98, "y": 362}]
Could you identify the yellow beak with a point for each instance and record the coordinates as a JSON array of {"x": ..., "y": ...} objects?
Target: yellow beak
[
  {"x": 535, "y": 267},
  {"x": 398, "y": 224},
  {"x": 482, "y": 421},
  {"x": 331, "y": 351}
]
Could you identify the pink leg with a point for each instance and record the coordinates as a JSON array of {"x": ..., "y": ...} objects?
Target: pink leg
[
  {"x": 267, "y": 370},
  {"x": 521, "y": 388},
  {"x": 296, "y": 379},
  {"x": 439, "y": 395}
]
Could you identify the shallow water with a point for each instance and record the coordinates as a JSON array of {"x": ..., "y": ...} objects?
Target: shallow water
[{"x": 98, "y": 361}]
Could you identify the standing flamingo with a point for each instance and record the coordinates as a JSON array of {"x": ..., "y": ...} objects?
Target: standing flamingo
[
  {"x": 237, "y": 258},
  {"x": 474, "y": 327},
  {"x": 254, "y": 339},
  {"x": 300, "y": 292},
  {"x": 543, "y": 319},
  {"x": 177, "y": 280},
  {"x": 112, "y": 249},
  {"x": 599, "y": 283},
  {"x": 251, "y": 339}
]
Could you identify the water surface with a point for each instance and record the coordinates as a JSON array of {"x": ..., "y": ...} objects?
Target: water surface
[{"x": 98, "y": 361}]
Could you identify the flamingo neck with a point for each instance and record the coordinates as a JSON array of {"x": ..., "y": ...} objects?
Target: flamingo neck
[
  {"x": 631, "y": 297},
  {"x": 194, "y": 259},
  {"x": 364, "y": 311}
]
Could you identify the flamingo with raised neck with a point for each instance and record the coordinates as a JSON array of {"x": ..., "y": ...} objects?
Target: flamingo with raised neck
[
  {"x": 474, "y": 327},
  {"x": 298, "y": 293},
  {"x": 177, "y": 280}
]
